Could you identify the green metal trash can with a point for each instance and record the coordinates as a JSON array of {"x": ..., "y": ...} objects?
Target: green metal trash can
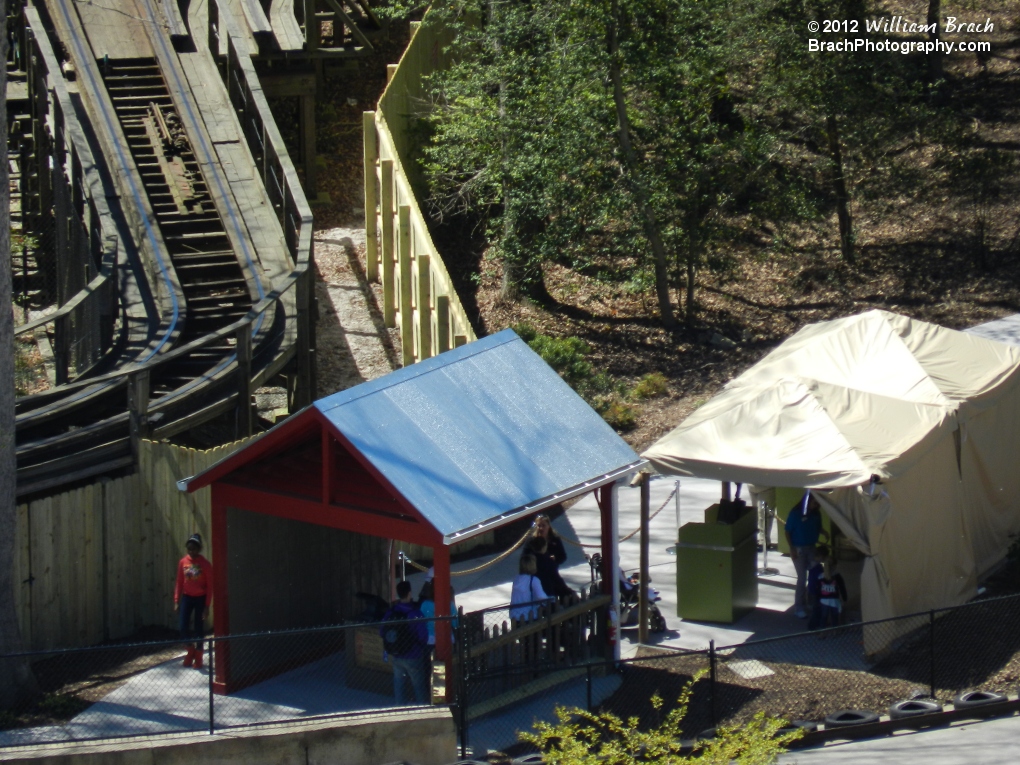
[{"x": 716, "y": 568}]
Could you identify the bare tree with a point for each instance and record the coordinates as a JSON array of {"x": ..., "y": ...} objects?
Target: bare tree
[{"x": 16, "y": 681}]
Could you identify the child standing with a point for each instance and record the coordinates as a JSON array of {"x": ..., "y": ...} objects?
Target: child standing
[
  {"x": 192, "y": 598},
  {"x": 831, "y": 597}
]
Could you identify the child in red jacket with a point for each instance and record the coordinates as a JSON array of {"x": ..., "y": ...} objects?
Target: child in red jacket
[{"x": 192, "y": 597}]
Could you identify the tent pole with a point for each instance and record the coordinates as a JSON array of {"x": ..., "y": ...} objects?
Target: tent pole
[{"x": 644, "y": 579}]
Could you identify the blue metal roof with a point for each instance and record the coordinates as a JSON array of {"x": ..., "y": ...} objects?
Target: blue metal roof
[{"x": 477, "y": 433}]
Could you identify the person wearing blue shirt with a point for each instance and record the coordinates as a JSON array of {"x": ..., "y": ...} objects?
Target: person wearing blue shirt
[{"x": 803, "y": 528}]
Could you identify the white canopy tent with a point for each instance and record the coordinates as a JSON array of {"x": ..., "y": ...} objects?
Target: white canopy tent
[{"x": 932, "y": 413}]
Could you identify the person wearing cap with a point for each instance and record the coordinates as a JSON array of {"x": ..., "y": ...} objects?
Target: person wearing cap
[{"x": 192, "y": 598}]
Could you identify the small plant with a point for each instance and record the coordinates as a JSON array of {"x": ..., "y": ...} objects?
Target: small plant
[
  {"x": 651, "y": 385},
  {"x": 589, "y": 738}
]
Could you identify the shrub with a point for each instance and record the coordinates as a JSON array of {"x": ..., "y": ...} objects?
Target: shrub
[
  {"x": 565, "y": 355},
  {"x": 651, "y": 385},
  {"x": 588, "y": 738},
  {"x": 619, "y": 415}
]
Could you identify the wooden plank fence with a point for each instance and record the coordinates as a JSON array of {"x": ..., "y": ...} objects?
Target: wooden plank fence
[
  {"x": 98, "y": 562},
  {"x": 418, "y": 294}
]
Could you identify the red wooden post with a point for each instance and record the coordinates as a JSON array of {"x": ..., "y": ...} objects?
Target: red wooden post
[
  {"x": 441, "y": 580},
  {"x": 606, "y": 498}
]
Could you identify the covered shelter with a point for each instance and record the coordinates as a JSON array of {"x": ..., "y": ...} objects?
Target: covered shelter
[
  {"x": 432, "y": 454},
  {"x": 907, "y": 433}
]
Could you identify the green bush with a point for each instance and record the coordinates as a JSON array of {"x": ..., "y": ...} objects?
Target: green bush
[
  {"x": 651, "y": 385},
  {"x": 619, "y": 415},
  {"x": 587, "y": 738}
]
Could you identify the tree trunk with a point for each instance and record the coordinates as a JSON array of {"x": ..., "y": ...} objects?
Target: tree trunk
[
  {"x": 16, "y": 682},
  {"x": 632, "y": 173},
  {"x": 846, "y": 230},
  {"x": 693, "y": 259}
]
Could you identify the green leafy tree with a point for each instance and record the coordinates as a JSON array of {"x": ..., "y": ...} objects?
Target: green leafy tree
[{"x": 591, "y": 127}]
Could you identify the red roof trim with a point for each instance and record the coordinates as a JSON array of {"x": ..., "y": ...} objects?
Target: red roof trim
[
  {"x": 252, "y": 451},
  {"x": 333, "y": 516}
]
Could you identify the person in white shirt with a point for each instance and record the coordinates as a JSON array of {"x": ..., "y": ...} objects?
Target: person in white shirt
[{"x": 527, "y": 594}]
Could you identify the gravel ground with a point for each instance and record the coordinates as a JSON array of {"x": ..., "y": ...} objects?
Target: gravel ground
[{"x": 353, "y": 345}]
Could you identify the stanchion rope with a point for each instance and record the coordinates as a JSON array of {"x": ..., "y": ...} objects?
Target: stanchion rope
[{"x": 530, "y": 532}]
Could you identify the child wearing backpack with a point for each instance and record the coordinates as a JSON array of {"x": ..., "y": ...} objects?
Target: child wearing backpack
[{"x": 405, "y": 638}]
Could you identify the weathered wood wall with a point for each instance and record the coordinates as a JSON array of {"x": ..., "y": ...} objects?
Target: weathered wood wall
[{"x": 98, "y": 562}]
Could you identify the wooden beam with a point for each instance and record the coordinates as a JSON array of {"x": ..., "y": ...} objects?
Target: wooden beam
[
  {"x": 288, "y": 85},
  {"x": 386, "y": 212},
  {"x": 406, "y": 312},
  {"x": 308, "y": 144},
  {"x": 442, "y": 319},
  {"x": 245, "y": 416},
  {"x": 333, "y": 516},
  {"x": 424, "y": 301},
  {"x": 371, "y": 157}
]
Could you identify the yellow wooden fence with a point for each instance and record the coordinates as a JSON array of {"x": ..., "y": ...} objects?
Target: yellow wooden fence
[
  {"x": 418, "y": 295},
  {"x": 98, "y": 562}
]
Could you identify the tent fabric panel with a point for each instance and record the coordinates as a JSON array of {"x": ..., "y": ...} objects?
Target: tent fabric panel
[
  {"x": 989, "y": 445},
  {"x": 861, "y": 352},
  {"x": 774, "y": 436},
  {"x": 964, "y": 365},
  {"x": 923, "y": 544}
]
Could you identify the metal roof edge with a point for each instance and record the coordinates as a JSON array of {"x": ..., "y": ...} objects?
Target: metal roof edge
[{"x": 534, "y": 507}]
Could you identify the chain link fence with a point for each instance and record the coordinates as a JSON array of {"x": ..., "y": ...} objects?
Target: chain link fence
[{"x": 505, "y": 675}]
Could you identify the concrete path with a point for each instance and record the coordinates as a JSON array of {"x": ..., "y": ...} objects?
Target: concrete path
[
  {"x": 990, "y": 742},
  {"x": 170, "y": 698}
]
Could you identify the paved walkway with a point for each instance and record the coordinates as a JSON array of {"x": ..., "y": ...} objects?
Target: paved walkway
[{"x": 990, "y": 742}]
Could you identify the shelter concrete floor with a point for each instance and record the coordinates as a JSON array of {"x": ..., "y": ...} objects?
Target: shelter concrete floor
[{"x": 774, "y": 615}]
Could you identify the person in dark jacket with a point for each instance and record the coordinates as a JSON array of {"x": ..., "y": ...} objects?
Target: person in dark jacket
[
  {"x": 547, "y": 547},
  {"x": 409, "y": 663}
]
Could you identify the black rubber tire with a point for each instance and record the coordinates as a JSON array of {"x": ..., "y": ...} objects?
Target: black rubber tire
[
  {"x": 844, "y": 718},
  {"x": 913, "y": 707},
  {"x": 972, "y": 699}
]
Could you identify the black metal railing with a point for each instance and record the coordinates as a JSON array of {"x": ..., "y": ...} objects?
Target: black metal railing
[{"x": 501, "y": 678}]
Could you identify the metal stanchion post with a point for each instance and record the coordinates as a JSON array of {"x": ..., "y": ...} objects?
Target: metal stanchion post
[
  {"x": 931, "y": 650},
  {"x": 212, "y": 673},
  {"x": 588, "y": 680},
  {"x": 711, "y": 680},
  {"x": 462, "y": 692}
]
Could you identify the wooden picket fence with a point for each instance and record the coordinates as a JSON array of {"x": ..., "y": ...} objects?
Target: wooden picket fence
[
  {"x": 99, "y": 562},
  {"x": 418, "y": 294},
  {"x": 507, "y": 662}
]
